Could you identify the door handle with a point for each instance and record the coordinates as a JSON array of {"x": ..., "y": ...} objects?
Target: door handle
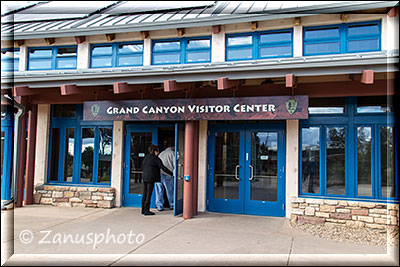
[
  {"x": 251, "y": 173},
  {"x": 236, "y": 172}
]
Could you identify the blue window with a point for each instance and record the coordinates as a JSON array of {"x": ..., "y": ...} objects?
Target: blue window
[
  {"x": 9, "y": 60},
  {"x": 342, "y": 38},
  {"x": 52, "y": 58},
  {"x": 350, "y": 154},
  {"x": 116, "y": 55},
  {"x": 80, "y": 152},
  {"x": 183, "y": 50},
  {"x": 7, "y": 126},
  {"x": 258, "y": 45}
]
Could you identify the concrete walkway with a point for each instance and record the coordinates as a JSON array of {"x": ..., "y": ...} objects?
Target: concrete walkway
[{"x": 46, "y": 235}]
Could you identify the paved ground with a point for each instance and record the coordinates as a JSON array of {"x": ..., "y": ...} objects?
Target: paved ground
[{"x": 46, "y": 235}]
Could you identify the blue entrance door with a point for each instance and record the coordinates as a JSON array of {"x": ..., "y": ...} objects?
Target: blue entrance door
[
  {"x": 246, "y": 169},
  {"x": 137, "y": 140}
]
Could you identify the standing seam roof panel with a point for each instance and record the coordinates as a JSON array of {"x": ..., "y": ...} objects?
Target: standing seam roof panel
[
  {"x": 131, "y": 18},
  {"x": 168, "y": 16},
  {"x": 35, "y": 28},
  {"x": 258, "y": 7},
  {"x": 19, "y": 28},
  {"x": 117, "y": 19}
]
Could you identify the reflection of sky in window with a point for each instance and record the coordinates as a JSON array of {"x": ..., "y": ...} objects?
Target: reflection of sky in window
[
  {"x": 364, "y": 29},
  {"x": 270, "y": 139},
  {"x": 329, "y": 110},
  {"x": 373, "y": 109},
  {"x": 310, "y": 138},
  {"x": 132, "y": 48},
  {"x": 198, "y": 44},
  {"x": 87, "y": 142},
  {"x": 9, "y": 55},
  {"x": 239, "y": 40},
  {"x": 322, "y": 33},
  {"x": 167, "y": 45}
]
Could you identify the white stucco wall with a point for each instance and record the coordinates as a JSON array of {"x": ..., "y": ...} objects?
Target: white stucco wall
[
  {"x": 118, "y": 161},
  {"x": 202, "y": 170},
  {"x": 292, "y": 162},
  {"x": 42, "y": 143}
]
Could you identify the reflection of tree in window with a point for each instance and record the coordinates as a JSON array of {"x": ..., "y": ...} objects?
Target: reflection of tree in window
[
  {"x": 335, "y": 160},
  {"x": 104, "y": 174},
  {"x": 388, "y": 183}
]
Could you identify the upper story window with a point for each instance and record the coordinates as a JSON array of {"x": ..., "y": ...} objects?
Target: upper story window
[
  {"x": 116, "y": 55},
  {"x": 259, "y": 45},
  {"x": 342, "y": 38},
  {"x": 52, "y": 58},
  {"x": 184, "y": 50},
  {"x": 9, "y": 60}
]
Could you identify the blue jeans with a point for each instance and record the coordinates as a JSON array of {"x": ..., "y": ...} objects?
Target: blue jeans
[{"x": 167, "y": 183}]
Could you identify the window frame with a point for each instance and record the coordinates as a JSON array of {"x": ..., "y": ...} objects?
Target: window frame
[
  {"x": 256, "y": 45},
  {"x": 13, "y": 60},
  {"x": 183, "y": 50},
  {"x": 343, "y": 38},
  {"x": 115, "y": 54},
  {"x": 351, "y": 120},
  {"x": 78, "y": 124},
  {"x": 52, "y": 59}
]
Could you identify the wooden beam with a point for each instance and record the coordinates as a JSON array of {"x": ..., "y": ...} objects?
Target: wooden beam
[
  {"x": 297, "y": 21},
  {"x": 144, "y": 34},
  {"x": 224, "y": 84},
  {"x": 70, "y": 89},
  {"x": 18, "y": 43},
  {"x": 50, "y": 41},
  {"x": 110, "y": 37},
  {"x": 172, "y": 86},
  {"x": 217, "y": 29},
  {"x": 80, "y": 39},
  {"x": 392, "y": 12},
  {"x": 254, "y": 25},
  {"x": 344, "y": 17},
  {"x": 26, "y": 91},
  {"x": 367, "y": 77},
  {"x": 121, "y": 88},
  {"x": 181, "y": 31},
  {"x": 290, "y": 80}
]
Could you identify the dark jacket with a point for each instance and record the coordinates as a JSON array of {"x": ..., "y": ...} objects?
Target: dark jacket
[{"x": 151, "y": 169}]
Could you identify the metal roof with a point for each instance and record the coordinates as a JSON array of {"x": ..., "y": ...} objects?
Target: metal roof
[
  {"x": 382, "y": 61},
  {"x": 52, "y": 19}
]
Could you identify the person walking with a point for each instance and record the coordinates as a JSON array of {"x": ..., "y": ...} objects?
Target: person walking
[
  {"x": 151, "y": 173},
  {"x": 167, "y": 157}
]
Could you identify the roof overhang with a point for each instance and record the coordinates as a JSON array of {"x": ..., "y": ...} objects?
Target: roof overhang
[{"x": 302, "y": 66}]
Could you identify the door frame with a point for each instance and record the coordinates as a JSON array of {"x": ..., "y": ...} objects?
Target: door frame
[
  {"x": 242, "y": 204},
  {"x": 134, "y": 200}
]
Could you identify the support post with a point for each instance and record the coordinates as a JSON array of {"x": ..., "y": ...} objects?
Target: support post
[
  {"x": 30, "y": 159},
  {"x": 188, "y": 171},
  {"x": 21, "y": 163},
  {"x": 195, "y": 166}
]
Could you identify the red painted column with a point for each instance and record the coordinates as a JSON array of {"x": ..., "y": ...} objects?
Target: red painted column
[
  {"x": 30, "y": 159},
  {"x": 21, "y": 163},
  {"x": 188, "y": 170},
  {"x": 195, "y": 166}
]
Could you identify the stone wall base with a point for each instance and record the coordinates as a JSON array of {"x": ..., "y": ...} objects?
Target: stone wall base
[
  {"x": 72, "y": 196},
  {"x": 348, "y": 213}
]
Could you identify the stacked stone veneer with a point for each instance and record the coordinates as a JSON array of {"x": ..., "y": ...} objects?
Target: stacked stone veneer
[
  {"x": 72, "y": 196},
  {"x": 349, "y": 213}
]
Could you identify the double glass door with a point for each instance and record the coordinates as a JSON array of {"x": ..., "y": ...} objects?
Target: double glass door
[
  {"x": 246, "y": 169},
  {"x": 137, "y": 141}
]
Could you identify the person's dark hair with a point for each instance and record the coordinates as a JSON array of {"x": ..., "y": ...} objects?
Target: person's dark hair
[{"x": 152, "y": 149}]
